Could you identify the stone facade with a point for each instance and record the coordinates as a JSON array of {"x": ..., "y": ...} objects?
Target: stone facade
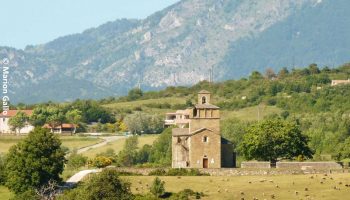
[{"x": 201, "y": 145}]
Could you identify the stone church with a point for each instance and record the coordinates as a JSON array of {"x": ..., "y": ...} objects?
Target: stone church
[{"x": 197, "y": 142}]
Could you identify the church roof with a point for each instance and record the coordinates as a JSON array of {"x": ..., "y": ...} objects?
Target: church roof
[
  {"x": 204, "y": 92},
  {"x": 208, "y": 106},
  {"x": 225, "y": 141}
]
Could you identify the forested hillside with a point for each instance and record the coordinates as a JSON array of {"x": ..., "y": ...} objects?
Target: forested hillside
[
  {"x": 181, "y": 45},
  {"x": 304, "y": 96}
]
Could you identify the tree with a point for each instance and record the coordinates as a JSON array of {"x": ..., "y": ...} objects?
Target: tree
[
  {"x": 105, "y": 185},
  {"x": 134, "y": 94},
  {"x": 283, "y": 73},
  {"x": 161, "y": 149},
  {"x": 157, "y": 188},
  {"x": 2, "y": 169},
  {"x": 314, "y": 69},
  {"x": 34, "y": 161},
  {"x": 140, "y": 123},
  {"x": 55, "y": 119},
  {"x": 233, "y": 130},
  {"x": 255, "y": 76},
  {"x": 127, "y": 157},
  {"x": 74, "y": 116},
  {"x": 51, "y": 114},
  {"x": 18, "y": 121},
  {"x": 345, "y": 149},
  {"x": 270, "y": 74},
  {"x": 275, "y": 139}
]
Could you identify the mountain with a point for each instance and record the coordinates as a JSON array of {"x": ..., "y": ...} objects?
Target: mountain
[{"x": 180, "y": 45}]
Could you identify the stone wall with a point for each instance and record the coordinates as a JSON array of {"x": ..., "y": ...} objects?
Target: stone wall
[
  {"x": 308, "y": 165},
  {"x": 292, "y": 165},
  {"x": 243, "y": 172},
  {"x": 255, "y": 165}
]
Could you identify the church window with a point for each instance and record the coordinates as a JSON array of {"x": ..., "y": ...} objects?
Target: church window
[
  {"x": 205, "y": 139},
  {"x": 204, "y": 100}
]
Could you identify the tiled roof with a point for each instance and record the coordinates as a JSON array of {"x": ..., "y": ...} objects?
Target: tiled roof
[
  {"x": 209, "y": 106},
  {"x": 11, "y": 113},
  {"x": 204, "y": 92},
  {"x": 60, "y": 126}
]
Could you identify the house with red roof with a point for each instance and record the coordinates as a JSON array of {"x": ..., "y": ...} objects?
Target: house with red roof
[
  {"x": 62, "y": 129},
  {"x": 5, "y": 128}
]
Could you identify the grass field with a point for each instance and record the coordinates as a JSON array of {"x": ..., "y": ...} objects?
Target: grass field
[
  {"x": 5, "y": 194},
  {"x": 282, "y": 187},
  {"x": 68, "y": 141},
  {"x": 261, "y": 187},
  {"x": 119, "y": 144},
  {"x": 251, "y": 113}
]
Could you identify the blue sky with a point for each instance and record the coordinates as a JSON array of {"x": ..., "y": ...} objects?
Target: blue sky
[{"x": 31, "y": 22}]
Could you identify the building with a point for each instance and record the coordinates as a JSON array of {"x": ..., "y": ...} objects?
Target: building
[
  {"x": 5, "y": 128},
  {"x": 179, "y": 118},
  {"x": 198, "y": 143},
  {"x": 62, "y": 129},
  {"x": 340, "y": 82}
]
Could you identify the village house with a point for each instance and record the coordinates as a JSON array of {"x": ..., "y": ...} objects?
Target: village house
[
  {"x": 179, "y": 118},
  {"x": 340, "y": 82},
  {"x": 5, "y": 128},
  {"x": 62, "y": 129},
  {"x": 196, "y": 141}
]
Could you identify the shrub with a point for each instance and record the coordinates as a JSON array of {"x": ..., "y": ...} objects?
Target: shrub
[
  {"x": 76, "y": 160},
  {"x": 105, "y": 185},
  {"x": 157, "y": 188},
  {"x": 158, "y": 172},
  {"x": 100, "y": 162},
  {"x": 177, "y": 172},
  {"x": 186, "y": 194}
]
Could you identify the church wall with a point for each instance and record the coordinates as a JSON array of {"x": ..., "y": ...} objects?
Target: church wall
[{"x": 211, "y": 149}]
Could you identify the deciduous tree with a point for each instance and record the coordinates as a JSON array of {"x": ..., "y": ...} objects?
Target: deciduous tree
[
  {"x": 275, "y": 139},
  {"x": 18, "y": 121},
  {"x": 34, "y": 161}
]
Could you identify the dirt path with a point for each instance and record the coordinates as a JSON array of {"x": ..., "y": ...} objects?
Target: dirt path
[{"x": 105, "y": 141}]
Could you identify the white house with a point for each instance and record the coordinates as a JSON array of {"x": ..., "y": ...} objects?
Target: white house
[{"x": 5, "y": 127}]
